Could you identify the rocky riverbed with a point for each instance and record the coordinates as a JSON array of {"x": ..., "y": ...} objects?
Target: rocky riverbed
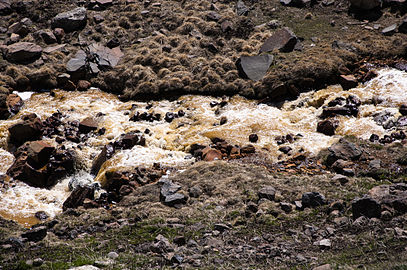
[{"x": 203, "y": 135}]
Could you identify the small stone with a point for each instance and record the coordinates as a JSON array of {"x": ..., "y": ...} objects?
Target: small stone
[
  {"x": 285, "y": 149},
  {"x": 267, "y": 192},
  {"x": 223, "y": 120},
  {"x": 38, "y": 262},
  {"x": 389, "y": 30},
  {"x": 253, "y": 138},
  {"x": 112, "y": 255},
  {"x": 286, "y": 207}
]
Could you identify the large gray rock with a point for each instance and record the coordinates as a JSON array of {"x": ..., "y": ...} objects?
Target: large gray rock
[
  {"x": 71, "y": 20},
  {"x": 366, "y": 4},
  {"x": 283, "y": 40},
  {"x": 23, "y": 52},
  {"x": 254, "y": 67}
]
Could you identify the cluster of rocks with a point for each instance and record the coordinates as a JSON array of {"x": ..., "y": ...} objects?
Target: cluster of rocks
[
  {"x": 220, "y": 149},
  {"x": 340, "y": 106}
]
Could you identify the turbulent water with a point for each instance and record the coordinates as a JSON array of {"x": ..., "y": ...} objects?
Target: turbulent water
[{"x": 168, "y": 143}]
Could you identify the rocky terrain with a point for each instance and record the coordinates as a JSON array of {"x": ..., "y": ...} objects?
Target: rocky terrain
[{"x": 345, "y": 208}]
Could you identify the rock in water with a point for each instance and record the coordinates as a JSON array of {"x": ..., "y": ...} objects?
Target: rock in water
[
  {"x": 87, "y": 125},
  {"x": 283, "y": 40},
  {"x": 78, "y": 196},
  {"x": 71, "y": 20},
  {"x": 366, "y": 4},
  {"x": 254, "y": 67},
  {"x": 28, "y": 130},
  {"x": 327, "y": 127},
  {"x": 23, "y": 52}
]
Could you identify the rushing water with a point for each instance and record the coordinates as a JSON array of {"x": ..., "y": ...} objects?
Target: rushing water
[{"x": 168, "y": 143}]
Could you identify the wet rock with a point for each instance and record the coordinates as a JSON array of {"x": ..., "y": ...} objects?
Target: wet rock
[
  {"x": 4, "y": 109},
  {"x": 241, "y": 8},
  {"x": 130, "y": 139},
  {"x": 5, "y": 7},
  {"x": 169, "y": 117},
  {"x": 374, "y": 137},
  {"x": 285, "y": 149},
  {"x": 367, "y": 207},
  {"x": 106, "y": 153},
  {"x": 37, "y": 167},
  {"x": 348, "y": 81},
  {"x": 87, "y": 125},
  {"x": 14, "y": 103},
  {"x": 28, "y": 130},
  {"x": 83, "y": 85},
  {"x": 41, "y": 215},
  {"x": 283, "y": 40},
  {"x": 145, "y": 116},
  {"x": 210, "y": 154},
  {"x": 78, "y": 196},
  {"x": 248, "y": 149},
  {"x": 253, "y": 138},
  {"x": 366, "y": 4},
  {"x": 390, "y": 30},
  {"x": 71, "y": 20},
  {"x": 254, "y": 67},
  {"x": 312, "y": 199},
  {"x": 327, "y": 127},
  {"x": 267, "y": 192},
  {"x": 403, "y": 109},
  {"x": 223, "y": 120},
  {"x": 35, "y": 234},
  {"x": 22, "y": 52}
]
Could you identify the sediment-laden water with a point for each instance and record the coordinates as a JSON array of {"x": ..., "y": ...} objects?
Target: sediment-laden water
[{"x": 168, "y": 143}]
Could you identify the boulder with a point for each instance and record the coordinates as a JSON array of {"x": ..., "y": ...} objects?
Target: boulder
[
  {"x": 367, "y": 207},
  {"x": 4, "y": 112},
  {"x": 283, "y": 40},
  {"x": 267, "y": 192},
  {"x": 47, "y": 36},
  {"x": 78, "y": 196},
  {"x": 327, "y": 127},
  {"x": 343, "y": 150},
  {"x": 254, "y": 67},
  {"x": 36, "y": 166},
  {"x": 23, "y": 52},
  {"x": 312, "y": 199},
  {"x": 88, "y": 124},
  {"x": 29, "y": 129},
  {"x": 71, "y": 20},
  {"x": 14, "y": 103},
  {"x": 348, "y": 81},
  {"x": 35, "y": 234},
  {"x": 5, "y": 7},
  {"x": 366, "y": 4},
  {"x": 77, "y": 63}
]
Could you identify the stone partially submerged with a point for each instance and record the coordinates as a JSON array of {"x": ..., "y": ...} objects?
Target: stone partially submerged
[{"x": 254, "y": 67}]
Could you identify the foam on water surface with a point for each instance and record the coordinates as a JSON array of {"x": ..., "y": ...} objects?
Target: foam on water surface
[{"x": 168, "y": 143}]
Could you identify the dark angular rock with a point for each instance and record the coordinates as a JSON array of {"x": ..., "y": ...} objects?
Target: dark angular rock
[
  {"x": 267, "y": 192},
  {"x": 22, "y": 52},
  {"x": 28, "y": 130},
  {"x": 253, "y": 138},
  {"x": 41, "y": 215},
  {"x": 366, "y": 4},
  {"x": 5, "y": 7},
  {"x": 88, "y": 124},
  {"x": 254, "y": 67},
  {"x": 71, "y": 20},
  {"x": 312, "y": 199},
  {"x": 35, "y": 234},
  {"x": 21, "y": 28},
  {"x": 348, "y": 81},
  {"x": 343, "y": 150},
  {"x": 367, "y": 207},
  {"x": 283, "y": 40},
  {"x": 403, "y": 26},
  {"x": 130, "y": 139},
  {"x": 327, "y": 127},
  {"x": 226, "y": 26},
  {"x": 403, "y": 109},
  {"x": 47, "y": 36},
  {"x": 78, "y": 196},
  {"x": 4, "y": 111},
  {"x": 169, "y": 194},
  {"x": 169, "y": 116},
  {"x": 285, "y": 149}
]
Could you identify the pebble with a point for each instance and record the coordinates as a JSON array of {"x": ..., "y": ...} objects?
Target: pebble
[{"x": 112, "y": 255}]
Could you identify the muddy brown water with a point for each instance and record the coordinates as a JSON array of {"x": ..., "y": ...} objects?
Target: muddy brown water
[{"x": 168, "y": 143}]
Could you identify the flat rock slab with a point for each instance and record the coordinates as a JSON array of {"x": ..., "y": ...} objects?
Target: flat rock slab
[
  {"x": 23, "y": 52},
  {"x": 283, "y": 40},
  {"x": 71, "y": 20},
  {"x": 254, "y": 67}
]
